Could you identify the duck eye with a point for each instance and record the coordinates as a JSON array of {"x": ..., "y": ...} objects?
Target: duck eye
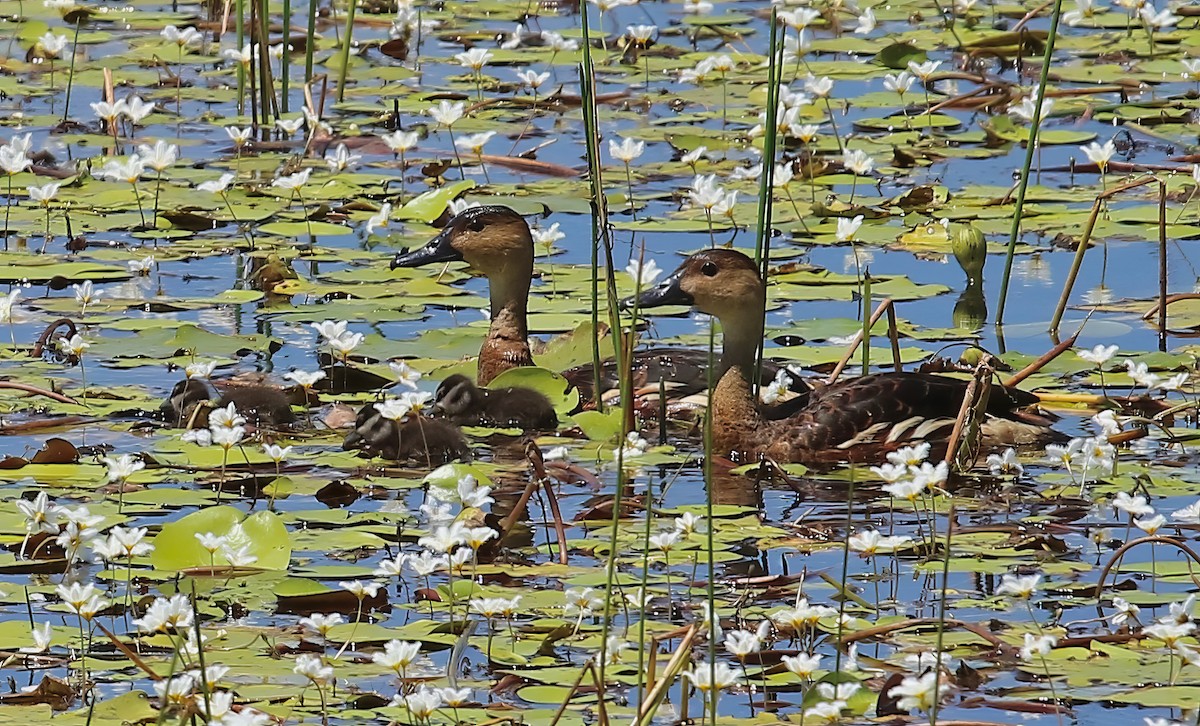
[
  {"x": 709, "y": 269},
  {"x": 476, "y": 225}
]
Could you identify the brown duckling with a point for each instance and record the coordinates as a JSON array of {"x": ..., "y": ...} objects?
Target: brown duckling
[
  {"x": 419, "y": 438},
  {"x": 466, "y": 404},
  {"x": 261, "y": 405},
  {"x": 496, "y": 241},
  {"x": 856, "y": 420}
]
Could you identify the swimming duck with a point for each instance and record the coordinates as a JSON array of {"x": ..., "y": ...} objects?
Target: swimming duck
[
  {"x": 495, "y": 240},
  {"x": 261, "y": 405},
  {"x": 466, "y": 404},
  {"x": 425, "y": 439},
  {"x": 854, "y": 420}
]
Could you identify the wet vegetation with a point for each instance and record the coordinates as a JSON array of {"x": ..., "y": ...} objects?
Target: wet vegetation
[{"x": 259, "y": 255}]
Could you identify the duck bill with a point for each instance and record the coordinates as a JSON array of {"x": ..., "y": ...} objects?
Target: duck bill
[
  {"x": 667, "y": 292},
  {"x": 439, "y": 249}
]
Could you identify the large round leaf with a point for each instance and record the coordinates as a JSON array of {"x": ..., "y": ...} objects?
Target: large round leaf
[{"x": 176, "y": 546}]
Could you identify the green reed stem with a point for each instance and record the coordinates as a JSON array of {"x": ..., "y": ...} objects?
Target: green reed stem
[
  {"x": 601, "y": 231},
  {"x": 866, "y": 318},
  {"x": 309, "y": 41},
  {"x": 344, "y": 56},
  {"x": 71, "y": 70},
  {"x": 285, "y": 59},
  {"x": 240, "y": 25},
  {"x": 941, "y": 633},
  {"x": 1030, "y": 149},
  {"x": 766, "y": 182},
  {"x": 709, "y": 484}
]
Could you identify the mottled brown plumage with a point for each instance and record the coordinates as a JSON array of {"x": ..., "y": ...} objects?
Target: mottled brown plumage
[
  {"x": 466, "y": 404},
  {"x": 426, "y": 440},
  {"x": 855, "y": 420}
]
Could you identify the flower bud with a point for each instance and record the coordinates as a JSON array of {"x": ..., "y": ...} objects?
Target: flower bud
[{"x": 970, "y": 249}]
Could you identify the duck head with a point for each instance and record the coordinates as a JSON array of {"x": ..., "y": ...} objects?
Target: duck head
[
  {"x": 456, "y": 396},
  {"x": 492, "y": 239},
  {"x": 725, "y": 284}
]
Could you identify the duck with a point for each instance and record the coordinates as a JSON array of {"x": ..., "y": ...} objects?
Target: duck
[
  {"x": 418, "y": 438},
  {"x": 262, "y": 405},
  {"x": 466, "y": 404},
  {"x": 859, "y": 420},
  {"x": 496, "y": 241}
]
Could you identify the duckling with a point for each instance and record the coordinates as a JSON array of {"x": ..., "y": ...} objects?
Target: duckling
[
  {"x": 495, "y": 240},
  {"x": 466, "y": 404},
  {"x": 855, "y": 420},
  {"x": 261, "y": 405},
  {"x": 424, "y": 439}
]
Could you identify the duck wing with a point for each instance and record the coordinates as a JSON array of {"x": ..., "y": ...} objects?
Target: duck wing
[{"x": 887, "y": 408}]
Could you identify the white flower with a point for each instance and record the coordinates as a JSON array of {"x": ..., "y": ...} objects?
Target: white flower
[
  {"x": 919, "y": 693},
  {"x": 474, "y": 142},
  {"x": 557, "y": 43},
  {"x": 1005, "y": 463},
  {"x": 720, "y": 677},
  {"x": 846, "y": 228},
  {"x": 292, "y": 182},
  {"x": 857, "y": 161},
  {"x": 818, "y": 87},
  {"x": 239, "y": 136},
  {"x": 643, "y": 274},
  {"x": 305, "y": 379},
  {"x": 182, "y": 38},
  {"x": 1154, "y": 19},
  {"x": 1039, "y": 645},
  {"x": 401, "y": 141},
  {"x": 216, "y": 186},
  {"x": 160, "y": 156},
  {"x": 1026, "y": 108},
  {"x": 128, "y": 171},
  {"x": 44, "y": 194},
  {"x": 136, "y": 109},
  {"x": 341, "y": 159},
  {"x": 1083, "y": 9},
  {"x": 474, "y": 58},
  {"x": 802, "y": 664},
  {"x": 1150, "y": 525},
  {"x": 1141, "y": 375},
  {"x": 533, "y": 79},
  {"x": 1098, "y": 355},
  {"x": 446, "y": 113},
  {"x": 923, "y": 70},
  {"x": 866, "y": 23},
  {"x": 311, "y": 667},
  {"x": 899, "y": 83},
  {"x": 1020, "y": 587},
  {"x": 122, "y": 467},
  {"x": 1188, "y": 515},
  {"x": 1134, "y": 506},
  {"x": 380, "y": 218},
  {"x": 627, "y": 150},
  {"x": 641, "y": 34},
  {"x": 1100, "y": 156}
]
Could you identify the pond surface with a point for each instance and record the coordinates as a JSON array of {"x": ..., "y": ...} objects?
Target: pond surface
[{"x": 767, "y": 549}]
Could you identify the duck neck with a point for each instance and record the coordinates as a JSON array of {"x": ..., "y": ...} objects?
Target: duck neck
[
  {"x": 507, "y": 343},
  {"x": 509, "y": 303},
  {"x": 743, "y": 333}
]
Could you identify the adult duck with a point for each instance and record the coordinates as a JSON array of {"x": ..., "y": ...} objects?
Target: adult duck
[
  {"x": 496, "y": 241},
  {"x": 855, "y": 420}
]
